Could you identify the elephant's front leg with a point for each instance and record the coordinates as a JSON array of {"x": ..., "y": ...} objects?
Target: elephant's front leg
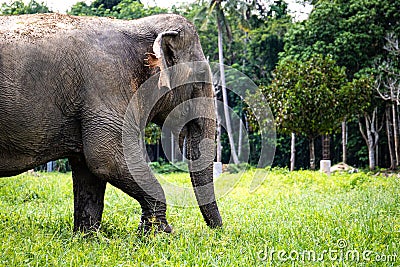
[
  {"x": 88, "y": 196},
  {"x": 141, "y": 184}
]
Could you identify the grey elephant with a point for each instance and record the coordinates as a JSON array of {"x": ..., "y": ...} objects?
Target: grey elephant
[{"x": 65, "y": 86}]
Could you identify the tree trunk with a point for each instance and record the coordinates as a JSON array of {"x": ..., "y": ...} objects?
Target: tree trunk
[
  {"x": 240, "y": 139},
  {"x": 326, "y": 147},
  {"x": 158, "y": 150},
  {"x": 218, "y": 130},
  {"x": 371, "y": 153},
  {"x": 172, "y": 147},
  {"x": 292, "y": 152},
  {"x": 371, "y": 136},
  {"x": 184, "y": 150},
  {"x": 395, "y": 135},
  {"x": 344, "y": 142},
  {"x": 241, "y": 104},
  {"x": 224, "y": 92},
  {"x": 312, "y": 154},
  {"x": 390, "y": 140},
  {"x": 377, "y": 145},
  {"x": 398, "y": 127}
]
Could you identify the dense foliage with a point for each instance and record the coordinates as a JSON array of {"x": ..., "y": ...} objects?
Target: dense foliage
[
  {"x": 121, "y": 9},
  {"x": 314, "y": 100},
  {"x": 19, "y": 7},
  {"x": 353, "y": 33}
]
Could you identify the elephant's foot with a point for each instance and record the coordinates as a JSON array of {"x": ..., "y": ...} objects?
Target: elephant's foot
[
  {"x": 87, "y": 214},
  {"x": 86, "y": 224},
  {"x": 154, "y": 225}
]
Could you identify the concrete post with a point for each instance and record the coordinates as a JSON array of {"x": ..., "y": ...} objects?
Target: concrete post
[
  {"x": 217, "y": 171},
  {"x": 325, "y": 166},
  {"x": 49, "y": 166}
]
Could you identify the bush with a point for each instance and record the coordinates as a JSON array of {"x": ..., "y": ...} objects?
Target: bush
[
  {"x": 166, "y": 167},
  {"x": 236, "y": 168},
  {"x": 62, "y": 165}
]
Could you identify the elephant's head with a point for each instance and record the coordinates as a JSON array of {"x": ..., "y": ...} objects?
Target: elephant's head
[{"x": 184, "y": 77}]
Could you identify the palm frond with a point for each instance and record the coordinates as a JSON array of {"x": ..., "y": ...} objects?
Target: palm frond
[{"x": 207, "y": 13}]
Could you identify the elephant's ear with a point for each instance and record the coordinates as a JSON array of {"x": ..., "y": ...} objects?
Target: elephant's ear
[{"x": 163, "y": 56}]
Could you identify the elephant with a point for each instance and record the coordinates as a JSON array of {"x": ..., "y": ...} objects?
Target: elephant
[{"x": 65, "y": 85}]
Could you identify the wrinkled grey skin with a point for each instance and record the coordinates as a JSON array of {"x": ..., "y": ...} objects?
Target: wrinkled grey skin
[{"x": 65, "y": 84}]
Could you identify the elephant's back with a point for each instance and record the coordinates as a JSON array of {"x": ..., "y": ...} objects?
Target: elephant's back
[{"x": 33, "y": 28}]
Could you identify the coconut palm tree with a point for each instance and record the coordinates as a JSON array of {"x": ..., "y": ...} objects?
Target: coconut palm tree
[{"x": 215, "y": 7}]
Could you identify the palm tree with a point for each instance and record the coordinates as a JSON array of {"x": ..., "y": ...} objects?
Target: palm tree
[
  {"x": 242, "y": 8},
  {"x": 216, "y": 7}
]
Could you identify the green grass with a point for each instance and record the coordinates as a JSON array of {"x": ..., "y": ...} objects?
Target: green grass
[{"x": 298, "y": 213}]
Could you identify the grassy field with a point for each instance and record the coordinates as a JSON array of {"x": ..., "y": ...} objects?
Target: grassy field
[{"x": 294, "y": 219}]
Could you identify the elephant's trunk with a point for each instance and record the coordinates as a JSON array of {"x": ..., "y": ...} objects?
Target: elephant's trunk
[{"x": 200, "y": 152}]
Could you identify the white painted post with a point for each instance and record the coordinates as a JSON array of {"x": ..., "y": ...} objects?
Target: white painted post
[
  {"x": 49, "y": 167},
  {"x": 325, "y": 166},
  {"x": 217, "y": 170}
]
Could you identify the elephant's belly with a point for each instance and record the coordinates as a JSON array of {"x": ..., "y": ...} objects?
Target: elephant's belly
[
  {"x": 19, "y": 154},
  {"x": 13, "y": 165}
]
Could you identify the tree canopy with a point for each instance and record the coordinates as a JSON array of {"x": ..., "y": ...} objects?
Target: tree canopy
[
  {"x": 121, "y": 9},
  {"x": 308, "y": 96},
  {"x": 352, "y": 31},
  {"x": 19, "y": 7}
]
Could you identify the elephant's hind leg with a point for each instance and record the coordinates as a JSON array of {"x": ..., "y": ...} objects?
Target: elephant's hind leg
[{"x": 88, "y": 196}]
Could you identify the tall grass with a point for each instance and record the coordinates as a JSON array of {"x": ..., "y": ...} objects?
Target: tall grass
[{"x": 298, "y": 218}]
